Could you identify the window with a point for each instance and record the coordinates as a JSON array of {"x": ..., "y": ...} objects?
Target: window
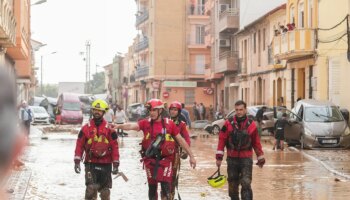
[
  {"x": 200, "y": 64},
  {"x": 291, "y": 15},
  {"x": 200, "y": 33},
  {"x": 254, "y": 39},
  {"x": 301, "y": 15},
  {"x": 264, "y": 38},
  {"x": 189, "y": 96},
  {"x": 310, "y": 10}
]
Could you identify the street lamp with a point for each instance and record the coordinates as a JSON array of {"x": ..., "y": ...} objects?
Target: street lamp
[
  {"x": 38, "y": 2},
  {"x": 41, "y": 71}
]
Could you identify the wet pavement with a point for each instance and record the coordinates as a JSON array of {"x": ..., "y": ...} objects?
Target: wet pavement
[{"x": 287, "y": 174}]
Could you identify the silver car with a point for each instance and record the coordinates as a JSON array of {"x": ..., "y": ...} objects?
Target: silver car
[
  {"x": 267, "y": 122},
  {"x": 317, "y": 124},
  {"x": 40, "y": 115}
]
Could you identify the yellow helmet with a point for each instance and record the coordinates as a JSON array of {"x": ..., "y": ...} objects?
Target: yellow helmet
[
  {"x": 100, "y": 104},
  {"x": 217, "y": 181}
]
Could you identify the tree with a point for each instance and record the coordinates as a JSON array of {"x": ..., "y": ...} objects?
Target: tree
[
  {"x": 97, "y": 84},
  {"x": 49, "y": 90}
]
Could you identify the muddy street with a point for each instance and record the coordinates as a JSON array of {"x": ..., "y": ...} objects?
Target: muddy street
[{"x": 287, "y": 174}]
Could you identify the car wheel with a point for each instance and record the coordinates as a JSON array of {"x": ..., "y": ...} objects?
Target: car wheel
[
  {"x": 290, "y": 143},
  {"x": 216, "y": 129}
]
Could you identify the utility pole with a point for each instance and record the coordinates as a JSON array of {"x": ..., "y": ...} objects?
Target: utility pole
[{"x": 87, "y": 62}]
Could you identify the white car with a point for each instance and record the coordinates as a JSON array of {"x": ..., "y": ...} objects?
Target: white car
[
  {"x": 40, "y": 115},
  {"x": 267, "y": 123}
]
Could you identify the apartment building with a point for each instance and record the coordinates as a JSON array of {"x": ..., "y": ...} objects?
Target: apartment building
[
  {"x": 262, "y": 79},
  {"x": 223, "y": 69},
  {"x": 15, "y": 46},
  {"x": 295, "y": 43},
  {"x": 170, "y": 55}
]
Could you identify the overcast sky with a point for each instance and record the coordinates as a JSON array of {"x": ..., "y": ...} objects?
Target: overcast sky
[{"x": 65, "y": 26}]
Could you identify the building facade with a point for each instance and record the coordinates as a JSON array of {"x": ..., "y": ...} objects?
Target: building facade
[
  {"x": 333, "y": 58},
  {"x": 170, "y": 55},
  {"x": 261, "y": 79},
  {"x": 15, "y": 46},
  {"x": 223, "y": 69},
  {"x": 295, "y": 44}
]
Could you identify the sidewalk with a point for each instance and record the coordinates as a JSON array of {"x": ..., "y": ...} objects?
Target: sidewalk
[{"x": 17, "y": 183}]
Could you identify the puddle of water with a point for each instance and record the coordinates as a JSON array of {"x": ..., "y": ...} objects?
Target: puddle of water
[{"x": 286, "y": 175}]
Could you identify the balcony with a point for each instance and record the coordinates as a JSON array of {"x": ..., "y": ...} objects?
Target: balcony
[
  {"x": 229, "y": 21},
  {"x": 208, "y": 6},
  {"x": 294, "y": 44},
  {"x": 7, "y": 24},
  {"x": 196, "y": 42},
  {"x": 196, "y": 71},
  {"x": 228, "y": 61},
  {"x": 142, "y": 45},
  {"x": 210, "y": 75},
  {"x": 141, "y": 71},
  {"x": 196, "y": 12},
  {"x": 142, "y": 17}
]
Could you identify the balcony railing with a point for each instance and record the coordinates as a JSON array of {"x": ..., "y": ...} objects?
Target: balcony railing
[
  {"x": 142, "y": 18},
  {"x": 196, "y": 10},
  {"x": 229, "y": 20},
  {"x": 142, "y": 71},
  {"x": 228, "y": 61},
  {"x": 142, "y": 45},
  {"x": 7, "y": 24},
  {"x": 293, "y": 44}
]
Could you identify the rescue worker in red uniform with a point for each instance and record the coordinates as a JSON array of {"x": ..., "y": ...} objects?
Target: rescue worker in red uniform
[
  {"x": 158, "y": 148},
  {"x": 180, "y": 121},
  {"x": 240, "y": 136},
  {"x": 99, "y": 144}
]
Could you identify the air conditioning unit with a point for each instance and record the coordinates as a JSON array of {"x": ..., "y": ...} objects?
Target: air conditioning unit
[
  {"x": 224, "y": 7},
  {"x": 225, "y": 43}
]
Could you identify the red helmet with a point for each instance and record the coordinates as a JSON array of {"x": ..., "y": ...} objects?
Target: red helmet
[
  {"x": 175, "y": 104},
  {"x": 154, "y": 103}
]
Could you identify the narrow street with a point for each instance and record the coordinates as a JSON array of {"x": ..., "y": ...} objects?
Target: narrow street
[{"x": 286, "y": 175}]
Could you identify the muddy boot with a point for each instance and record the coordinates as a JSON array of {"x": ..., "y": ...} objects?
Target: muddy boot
[
  {"x": 105, "y": 194},
  {"x": 152, "y": 191}
]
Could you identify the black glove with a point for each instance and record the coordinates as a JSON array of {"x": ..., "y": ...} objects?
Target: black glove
[
  {"x": 261, "y": 162},
  {"x": 77, "y": 168},
  {"x": 115, "y": 167}
]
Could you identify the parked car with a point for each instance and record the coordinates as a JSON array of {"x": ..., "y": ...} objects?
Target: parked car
[
  {"x": 71, "y": 108},
  {"x": 40, "y": 115},
  {"x": 317, "y": 124},
  {"x": 267, "y": 123},
  {"x": 136, "y": 111}
]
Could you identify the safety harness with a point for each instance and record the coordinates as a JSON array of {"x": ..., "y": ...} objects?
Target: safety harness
[{"x": 239, "y": 139}]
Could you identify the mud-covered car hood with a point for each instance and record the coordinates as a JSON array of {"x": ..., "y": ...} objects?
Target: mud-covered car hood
[{"x": 326, "y": 128}]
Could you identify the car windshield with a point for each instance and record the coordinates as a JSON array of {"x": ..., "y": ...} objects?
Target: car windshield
[
  {"x": 73, "y": 106},
  {"x": 322, "y": 114},
  {"x": 39, "y": 110}
]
